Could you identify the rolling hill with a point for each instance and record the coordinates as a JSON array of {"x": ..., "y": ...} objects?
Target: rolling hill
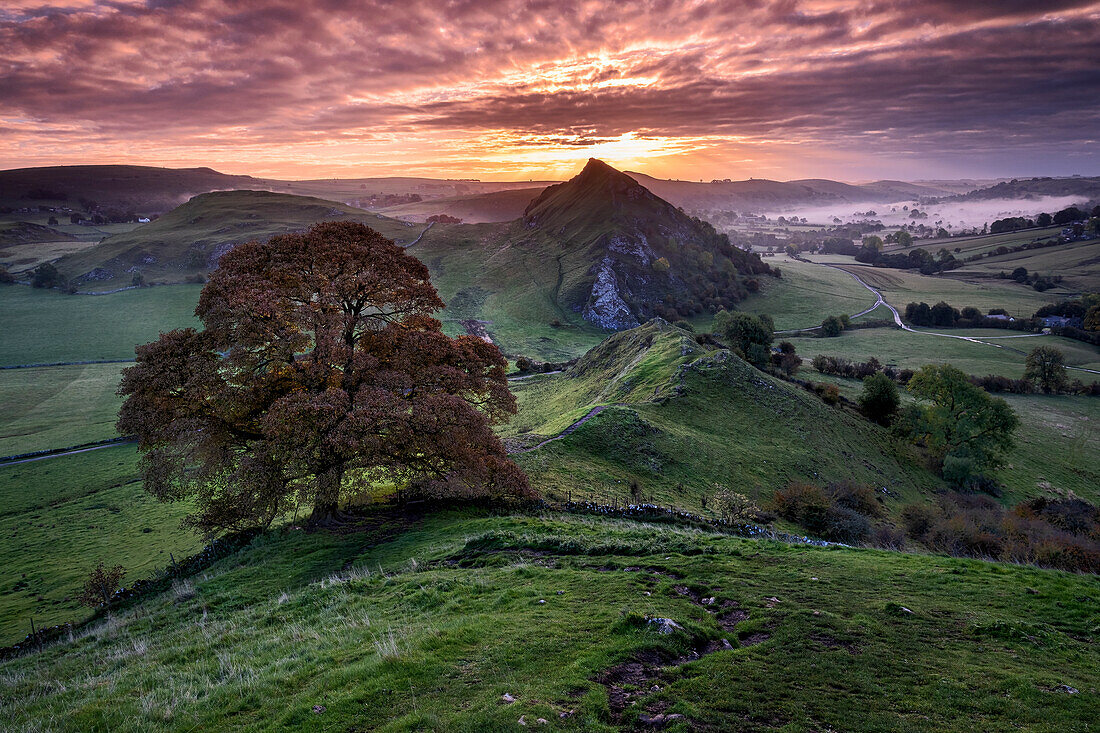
[
  {"x": 143, "y": 189},
  {"x": 188, "y": 240},
  {"x": 678, "y": 418},
  {"x": 496, "y": 206},
  {"x": 1086, "y": 188}
]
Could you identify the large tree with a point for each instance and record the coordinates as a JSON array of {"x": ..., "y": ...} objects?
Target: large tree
[
  {"x": 1046, "y": 366},
  {"x": 319, "y": 371},
  {"x": 965, "y": 429}
]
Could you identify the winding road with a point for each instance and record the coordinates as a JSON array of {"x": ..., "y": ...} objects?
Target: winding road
[{"x": 879, "y": 300}]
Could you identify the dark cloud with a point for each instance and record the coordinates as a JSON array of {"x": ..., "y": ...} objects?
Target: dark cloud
[{"x": 939, "y": 77}]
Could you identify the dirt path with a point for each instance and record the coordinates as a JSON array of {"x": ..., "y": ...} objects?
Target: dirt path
[
  {"x": 569, "y": 430},
  {"x": 984, "y": 340}
]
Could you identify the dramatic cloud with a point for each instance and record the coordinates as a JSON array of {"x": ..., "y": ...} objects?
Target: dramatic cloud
[{"x": 898, "y": 88}]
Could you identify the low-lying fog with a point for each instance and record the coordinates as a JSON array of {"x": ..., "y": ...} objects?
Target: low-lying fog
[{"x": 953, "y": 216}]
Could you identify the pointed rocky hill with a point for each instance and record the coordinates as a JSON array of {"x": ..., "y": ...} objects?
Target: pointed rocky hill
[{"x": 640, "y": 255}]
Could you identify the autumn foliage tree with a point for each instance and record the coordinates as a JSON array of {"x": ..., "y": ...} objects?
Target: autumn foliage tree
[{"x": 319, "y": 371}]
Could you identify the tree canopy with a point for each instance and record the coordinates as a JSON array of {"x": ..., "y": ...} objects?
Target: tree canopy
[
  {"x": 319, "y": 371},
  {"x": 965, "y": 429},
  {"x": 748, "y": 335},
  {"x": 1046, "y": 367}
]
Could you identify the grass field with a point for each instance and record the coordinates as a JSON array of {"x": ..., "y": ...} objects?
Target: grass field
[
  {"x": 900, "y": 287},
  {"x": 806, "y": 294},
  {"x": 432, "y": 626},
  {"x": 44, "y": 326},
  {"x": 56, "y": 407},
  {"x": 910, "y": 350},
  {"x": 60, "y": 516}
]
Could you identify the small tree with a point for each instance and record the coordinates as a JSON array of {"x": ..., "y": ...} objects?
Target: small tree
[
  {"x": 879, "y": 400},
  {"x": 733, "y": 507},
  {"x": 832, "y": 326},
  {"x": 100, "y": 585},
  {"x": 1046, "y": 367},
  {"x": 749, "y": 336},
  {"x": 965, "y": 429}
]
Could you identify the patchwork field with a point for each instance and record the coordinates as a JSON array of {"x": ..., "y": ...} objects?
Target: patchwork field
[{"x": 911, "y": 350}]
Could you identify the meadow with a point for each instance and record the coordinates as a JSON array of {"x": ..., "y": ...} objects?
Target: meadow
[
  {"x": 911, "y": 350},
  {"x": 56, "y": 407},
  {"x": 46, "y": 326},
  {"x": 900, "y": 287},
  {"x": 461, "y": 622}
]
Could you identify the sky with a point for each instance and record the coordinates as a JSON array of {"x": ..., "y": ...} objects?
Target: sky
[{"x": 518, "y": 89}]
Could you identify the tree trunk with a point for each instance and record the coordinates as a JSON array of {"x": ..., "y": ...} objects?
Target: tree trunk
[{"x": 327, "y": 500}]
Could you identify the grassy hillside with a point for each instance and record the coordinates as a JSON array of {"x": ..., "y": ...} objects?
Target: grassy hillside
[
  {"x": 189, "y": 239},
  {"x": 61, "y": 516},
  {"x": 472, "y": 209},
  {"x": 426, "y": 624},
  {"x": 679, "y": 419}
]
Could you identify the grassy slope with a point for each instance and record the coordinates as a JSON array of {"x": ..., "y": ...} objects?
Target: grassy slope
[
  {"x": 715, "y": 420},
  {"x": 443, "y": 620},
  {"x": 471, "y": 208},
  {"x": 55, "y": 407},
  {"x": 481, "y": 272},
  {"x": 182, "y": 242},
  {"x": 61, "y": 516},
  {"x": 46, "y": 326}
]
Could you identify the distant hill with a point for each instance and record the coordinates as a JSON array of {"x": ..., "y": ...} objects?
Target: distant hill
[
  {"x": 757, "y": 194},
  {"x": 496, "y": 206},
  {"x": 141, "y": 189},
  {"x": 1087, "y": 189},
  {"x": 191, "y": 238}
]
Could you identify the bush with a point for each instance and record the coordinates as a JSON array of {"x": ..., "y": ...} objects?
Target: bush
[
  {"x": 839, "y": 513},
  {"x": 831, "y": 394},
  {"x": 831, "y": 326},
  {"x": 879, "y": 399},
  {"x": 100, "y": 585},
  {"x": 734, "y": 507},
  {"x": 6, "y": 278}
]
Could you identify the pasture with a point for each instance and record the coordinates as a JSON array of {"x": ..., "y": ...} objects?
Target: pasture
[
  {"x": 56, "y": 407},
  {"x": 46, "y": 326},
  {"x": 59, "y": 517}
]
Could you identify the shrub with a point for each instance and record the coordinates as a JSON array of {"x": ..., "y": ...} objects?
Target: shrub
[
  {"x": 879, "y": 399},
  {"x": 803, "y": 504},
  {"x": 100, "y": 585},
  {"x": 6, "y": 278},
  {"x": 857, "y": 497},
  {"x": 734, "y": 507},
  {"x": 831, "y": 326},
  {"x": 831, "y": 394}
]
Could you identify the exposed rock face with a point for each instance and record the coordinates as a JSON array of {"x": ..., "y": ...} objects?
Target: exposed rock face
[
  {"x": 643, "y": 256},
  {"x": 606, "y": 306}
]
